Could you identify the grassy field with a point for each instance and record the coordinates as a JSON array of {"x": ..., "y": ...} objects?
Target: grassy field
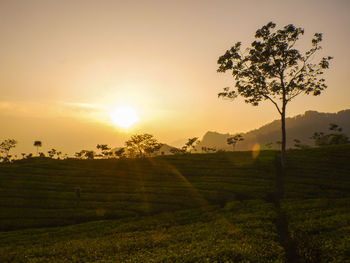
[{"x": 223, "y": 207}]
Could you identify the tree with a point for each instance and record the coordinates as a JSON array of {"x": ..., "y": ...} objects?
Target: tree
[
  {"x": 89, "y": 154},
  {"x": 52, "y": 153},
  {"x": 234, "y": 139},
  {"x": 273, "y": 69},
  {"x": 298, "y": 144},
  {"x": 208, "y": 149},
  {"x": 335, "y": 137},
  {"x": 85, "y": 154},
  {"x": 191, "y": 144},
  {"x": 141, "y": 145},
  {"x": 58, "y": 154},
  {"x": 120, "y": 153},
  {"x": 105, "y": 150},
  {"x": 5, "y": 148},
  {"x": 37, "y": 144}
]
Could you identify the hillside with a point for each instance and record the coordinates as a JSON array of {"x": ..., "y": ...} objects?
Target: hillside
[
  {"x": 225, "y": 206},
  {"x": 299, "y": 127}
]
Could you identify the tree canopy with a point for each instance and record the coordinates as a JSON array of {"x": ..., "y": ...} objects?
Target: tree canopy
[
  {"x": 5, "y": 148},
  {"x": 141, "y": 145},
  {"x": 234, "y": 139},
  {"x": 336, "y": 136},
  {"x": 273, "y": 69}
]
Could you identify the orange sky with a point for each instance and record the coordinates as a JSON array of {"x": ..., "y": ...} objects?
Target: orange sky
[{"x": 65, "y": 65}]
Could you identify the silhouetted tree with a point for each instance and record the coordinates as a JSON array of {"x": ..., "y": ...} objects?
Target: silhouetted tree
[
  {"x": 273, "y": 69},
  {"x": 120, "y": 153},
  {"x": 298, "y": 144},
  {"x": 89, "y": 154},
  {"x": 141, "y": 145},
  {"x": 52, "y": 153},
  {"x": 208, "y": 149},
  {"x": 5, "y": 148},
  {"x": 37, "y": 144},
  {"x": 85, "y": 154},
  {"x": 335, "y": 137},
  {"x": 105, "y": 150},
  {"x": 234, "y": 139},
  {"x": 191, "y": 144}
]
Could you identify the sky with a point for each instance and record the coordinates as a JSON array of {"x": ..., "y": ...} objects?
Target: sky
[{"x": 67, "y": 65}]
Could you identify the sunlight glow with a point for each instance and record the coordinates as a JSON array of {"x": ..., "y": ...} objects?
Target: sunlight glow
[
  {"x": 256, "y": 150},
  {"x": 124, "y": 116}
]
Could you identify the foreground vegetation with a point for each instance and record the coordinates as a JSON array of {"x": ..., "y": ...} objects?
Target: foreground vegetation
[
  {"x": 232, "y": 207},
  {"x": 242, "y": 231}
]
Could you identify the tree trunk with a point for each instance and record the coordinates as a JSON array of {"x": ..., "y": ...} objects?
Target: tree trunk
[
  {"x": 283, "y": 120},
  {"x": 283, "y": 145}
]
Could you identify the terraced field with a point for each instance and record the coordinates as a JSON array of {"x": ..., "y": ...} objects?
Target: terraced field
[
  {"x": 223, "y": 207},
  {"x": 40, "y": 193}
]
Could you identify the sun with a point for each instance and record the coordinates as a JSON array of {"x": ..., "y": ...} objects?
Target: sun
[{"x": 124, "y": 116}]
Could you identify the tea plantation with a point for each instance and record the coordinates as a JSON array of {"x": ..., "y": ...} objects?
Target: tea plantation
[{"x": 222, "y": 207}]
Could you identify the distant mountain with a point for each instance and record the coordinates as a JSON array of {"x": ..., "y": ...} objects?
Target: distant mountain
[
  {"x": 300, "y": 127},
  {"x": 179, "y": 143},
  {"x": 215, "y": 140}
]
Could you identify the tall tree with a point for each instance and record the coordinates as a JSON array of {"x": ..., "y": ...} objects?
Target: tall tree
[
  {"x": 273, "y": 69},
  {"x": 37, "y": 144}
]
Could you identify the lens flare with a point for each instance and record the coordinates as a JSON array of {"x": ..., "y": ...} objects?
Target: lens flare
[{"x": 256, "y": 150}]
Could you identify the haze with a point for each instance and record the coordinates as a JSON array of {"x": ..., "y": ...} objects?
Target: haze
[{"x": 66, "y": 65}]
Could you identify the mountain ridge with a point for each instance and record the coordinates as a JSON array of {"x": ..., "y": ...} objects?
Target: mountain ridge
[{"x": 299, "y": 127}]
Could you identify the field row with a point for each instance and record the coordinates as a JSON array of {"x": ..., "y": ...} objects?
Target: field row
[{"x": 241, "y": 232}]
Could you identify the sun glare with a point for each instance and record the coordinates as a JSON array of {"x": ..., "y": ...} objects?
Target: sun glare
[{"x": 124, "y": 117}]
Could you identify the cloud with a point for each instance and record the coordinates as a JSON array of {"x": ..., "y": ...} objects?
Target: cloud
[
  {"x": 85, "y": 111},
  {"x": 84, "y": 106}
]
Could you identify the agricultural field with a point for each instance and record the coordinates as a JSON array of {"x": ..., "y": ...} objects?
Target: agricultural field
[{"x": 222, "y": 207}]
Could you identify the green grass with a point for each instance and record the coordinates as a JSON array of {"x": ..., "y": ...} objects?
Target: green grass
[{"x": 187, "y": 208}]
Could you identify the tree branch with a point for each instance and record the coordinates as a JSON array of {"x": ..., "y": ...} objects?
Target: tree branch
[
  {"x": 294, "y": 95},
  {"x": 276, "y": 105}
]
